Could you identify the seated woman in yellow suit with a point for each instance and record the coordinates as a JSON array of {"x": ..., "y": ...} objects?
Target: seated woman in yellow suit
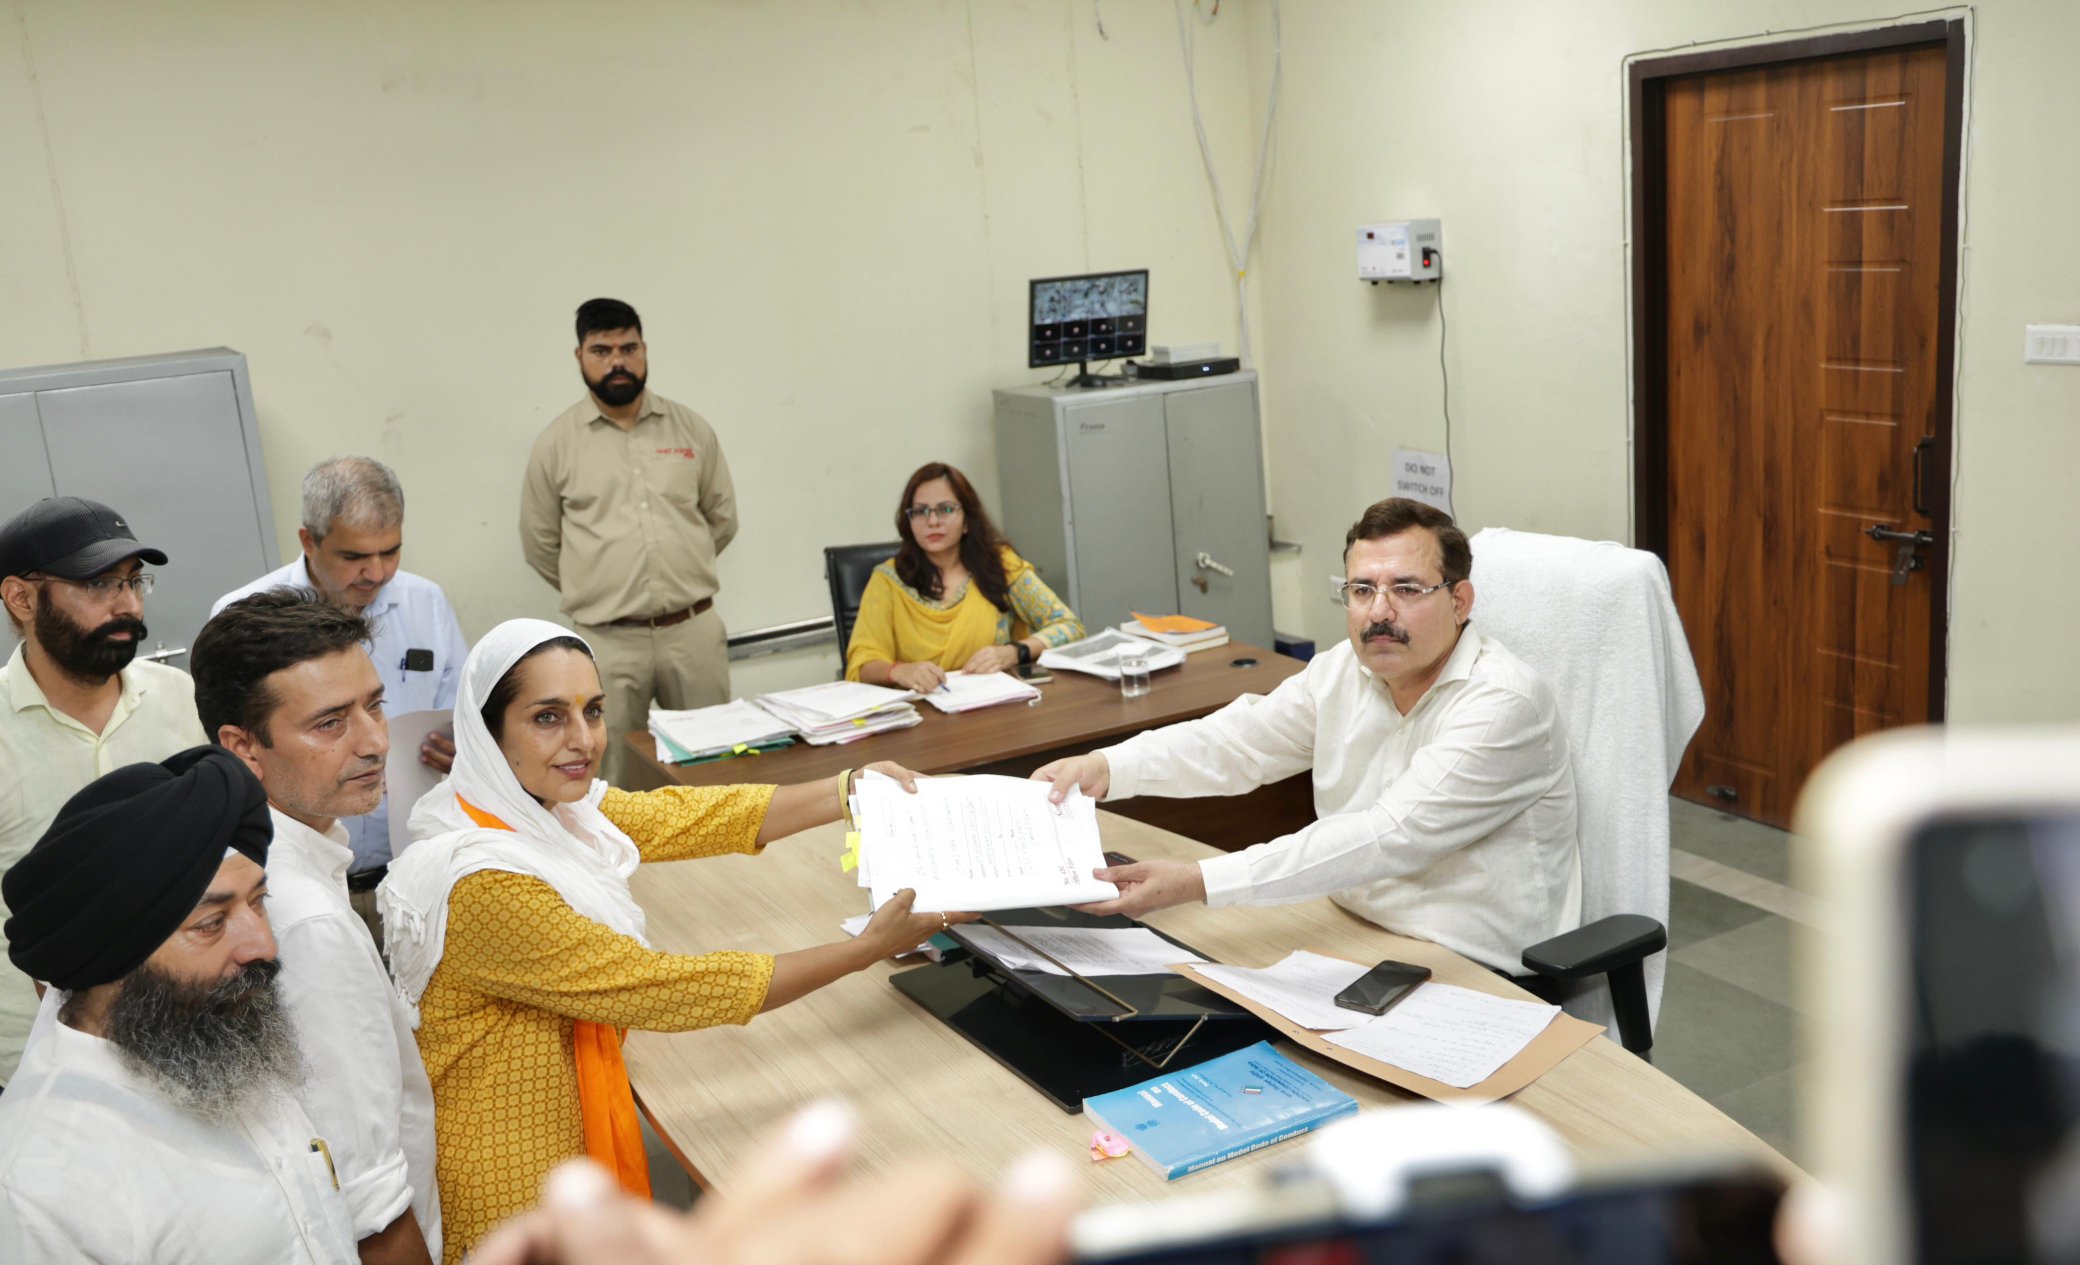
[{"x": 955, "y": 596}]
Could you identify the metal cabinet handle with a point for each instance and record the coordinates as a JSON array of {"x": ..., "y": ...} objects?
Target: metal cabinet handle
[{"x": 1206, "y": 563}]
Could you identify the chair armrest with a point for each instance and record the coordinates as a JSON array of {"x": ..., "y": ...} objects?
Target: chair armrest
[{"x": 1598, "y": 948}]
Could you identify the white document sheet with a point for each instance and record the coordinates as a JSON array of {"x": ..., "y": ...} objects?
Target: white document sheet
[
  {"x": 1448, "y": 1034},
  {"x": 964, "y": 691},
  {"x": 1302, "y": 987},
  {"x": 707, "y": 730},
  {"x": 404, "y": 778},
  {"x": 833, "y": 700},
  {"x": 1084, "y": 950},
  {"x": 979, "y": 843}
]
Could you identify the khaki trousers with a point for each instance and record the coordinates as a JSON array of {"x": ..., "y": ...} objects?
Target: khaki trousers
[{"x": 685, "y": 665}]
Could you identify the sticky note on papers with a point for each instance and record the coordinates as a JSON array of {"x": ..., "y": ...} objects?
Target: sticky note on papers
[{"x": 848, "y": 861}]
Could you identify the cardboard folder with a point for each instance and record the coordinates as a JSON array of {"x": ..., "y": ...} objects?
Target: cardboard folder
[{"x": 1542, "y": 1054}]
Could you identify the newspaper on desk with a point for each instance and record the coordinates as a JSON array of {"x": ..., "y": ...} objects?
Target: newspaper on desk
[
  {"x": 1099, "y": 655},
  {"x": 977, "y": 843}
]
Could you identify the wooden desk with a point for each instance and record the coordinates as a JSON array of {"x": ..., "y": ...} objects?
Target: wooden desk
[
  {"x": 1076, "y": 713},
  {"x": 919, "y": 1087}
]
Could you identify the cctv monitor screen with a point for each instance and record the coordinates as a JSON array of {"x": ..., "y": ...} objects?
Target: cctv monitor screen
[{"x": 1101, "y": 316}]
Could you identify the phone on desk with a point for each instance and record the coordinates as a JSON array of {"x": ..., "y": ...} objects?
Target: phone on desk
[
  {"x": 1377, "y": 990},
  {"x": 1033, "y": 674},
  {"x": 1944, "y": 1099}
]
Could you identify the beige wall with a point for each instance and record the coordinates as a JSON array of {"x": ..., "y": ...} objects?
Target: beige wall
[
  {"x": 826, "y": 212},
  {"x": 1505, "y": 118}
]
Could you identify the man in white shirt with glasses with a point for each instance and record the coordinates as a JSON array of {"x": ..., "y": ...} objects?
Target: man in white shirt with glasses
[
  {"x": 75, "y": 701},
  {"x": 1444, "y": 796}
]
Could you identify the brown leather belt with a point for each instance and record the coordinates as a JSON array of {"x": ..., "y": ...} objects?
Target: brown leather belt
[{"x": 664, "y": 621}]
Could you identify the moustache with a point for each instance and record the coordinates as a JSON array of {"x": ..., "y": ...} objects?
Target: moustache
[
  {"x": 120, "y": 624},
  {"x": 1387, "y": 629}
]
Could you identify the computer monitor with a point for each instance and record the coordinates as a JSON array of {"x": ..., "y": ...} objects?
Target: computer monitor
[{"x": 1098, "y": 316}]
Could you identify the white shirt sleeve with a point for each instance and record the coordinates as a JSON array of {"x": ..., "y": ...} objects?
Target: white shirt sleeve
[
  {"x": 1254, "y": 741},
  {"x": 1490, "y": 759},
  {"x": 338, "y": 995}
]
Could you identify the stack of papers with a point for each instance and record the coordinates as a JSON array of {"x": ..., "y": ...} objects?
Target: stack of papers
[
  {"x": 842, "y": 711},
  {"x": 977, "y": 843},
  {"x": 707, "y": 731},
  {"x": 1454, "y": 1035},
  {"x": 1099, "y": 655},
  {"x": 1079, "y": 950},
  {"x": 1181, "y": 631},
  {"x": 965, "y": 692}
]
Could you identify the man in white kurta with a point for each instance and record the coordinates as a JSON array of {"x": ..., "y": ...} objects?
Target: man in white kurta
[
  {"x": 1444, "y": 796},
  {"x": 284, "y": 684},
  {"x": 150, "y": 1119}
]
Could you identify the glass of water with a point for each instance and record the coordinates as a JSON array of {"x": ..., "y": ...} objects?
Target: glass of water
[{"x": 1133, "y": 673}]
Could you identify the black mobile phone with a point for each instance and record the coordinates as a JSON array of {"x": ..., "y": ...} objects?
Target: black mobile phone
[
  {"x": 418, "y": 661},
  {"x": 1376, "y": 991},
  {"x": 1034, "y": 674}
]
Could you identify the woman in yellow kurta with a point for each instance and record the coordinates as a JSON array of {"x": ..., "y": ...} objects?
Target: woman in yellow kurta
[
  {"x": 511, "y": 928},
  {"x": 956, "y": 597}
]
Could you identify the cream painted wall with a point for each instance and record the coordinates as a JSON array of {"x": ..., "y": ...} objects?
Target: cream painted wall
[
  {"x": 827, "y": 213},
  {"x": 1505, "y": 118}
]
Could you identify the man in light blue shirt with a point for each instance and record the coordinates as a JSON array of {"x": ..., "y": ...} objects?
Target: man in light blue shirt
[{"x": 353, "y": 536}]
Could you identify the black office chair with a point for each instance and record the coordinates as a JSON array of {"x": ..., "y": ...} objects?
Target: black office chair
[{"x": 847, "y": 568}]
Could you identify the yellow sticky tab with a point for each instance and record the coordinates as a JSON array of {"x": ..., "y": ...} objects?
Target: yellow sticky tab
[
  {"x": 849, "y": 860},
  {"x": 740, "y": 748}
]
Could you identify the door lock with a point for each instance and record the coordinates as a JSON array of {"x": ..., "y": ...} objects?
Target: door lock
[
  {"x": 1206, "y": 563},
  {"x": 1911, "y": 543}
]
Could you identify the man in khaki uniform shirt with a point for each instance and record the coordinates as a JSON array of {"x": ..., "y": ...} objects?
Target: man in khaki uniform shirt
[
  {"x": 75, "y": 702},
  {"x": 627, "y": 502}
]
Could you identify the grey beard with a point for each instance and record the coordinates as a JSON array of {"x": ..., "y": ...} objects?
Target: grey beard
[{"x": 211, "y": 1049}]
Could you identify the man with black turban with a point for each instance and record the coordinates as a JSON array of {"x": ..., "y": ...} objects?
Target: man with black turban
[{"x": 150, "y": 1118}]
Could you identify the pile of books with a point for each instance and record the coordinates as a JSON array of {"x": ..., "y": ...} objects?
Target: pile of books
[
  {"x": 1182, "y": 631},
  {"x": 842, "y": 711},
  {"x": 703, "y": 733}
]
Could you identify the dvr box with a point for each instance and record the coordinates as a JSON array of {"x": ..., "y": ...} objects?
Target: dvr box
[{"x": 1189, "y": 368}]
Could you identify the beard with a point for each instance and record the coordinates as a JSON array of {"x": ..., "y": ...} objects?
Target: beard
[
  {"x": 211, "y": 1048},
  {"x": 619, "y": 387},
  {"x": 91, "y": 656}
]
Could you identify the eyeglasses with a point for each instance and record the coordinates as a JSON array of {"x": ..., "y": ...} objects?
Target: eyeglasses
[
  {"x": 944, "y": 509},
  {"x": 105, "y": 588},
  {"x": 1361, "y": 594}
]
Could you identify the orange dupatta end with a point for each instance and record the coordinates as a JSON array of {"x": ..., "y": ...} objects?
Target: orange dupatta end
[{"x": 613, "y": 1133}]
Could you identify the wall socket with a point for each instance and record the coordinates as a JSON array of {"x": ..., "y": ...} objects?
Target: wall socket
[{"x": 2051, "y": 344}]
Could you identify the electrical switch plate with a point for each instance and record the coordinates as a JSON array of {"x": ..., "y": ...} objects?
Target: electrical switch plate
[{"x": 2051, "y": 344}]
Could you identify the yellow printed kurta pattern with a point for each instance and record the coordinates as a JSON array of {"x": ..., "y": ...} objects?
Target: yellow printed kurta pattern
[{"x": 520, "y": 968}]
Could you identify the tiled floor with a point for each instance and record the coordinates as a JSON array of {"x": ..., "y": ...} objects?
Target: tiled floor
[{"x": 1728, "y": 1026}]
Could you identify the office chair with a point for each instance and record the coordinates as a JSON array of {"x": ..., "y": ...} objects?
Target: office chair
[
  {"x": 847, "y": 568},
  {"x": 1596, "y": 620}
]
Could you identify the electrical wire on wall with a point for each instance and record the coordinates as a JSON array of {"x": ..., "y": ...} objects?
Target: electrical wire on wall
[
  {"x": 1444, "y": 375},
  {"x": 1238, "y": 250}
]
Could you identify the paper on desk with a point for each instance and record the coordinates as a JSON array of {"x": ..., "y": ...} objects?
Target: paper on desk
[
  {"x": 405, "y": 779},
  {"x": 1302, "y": 987},
  {"x": 1453, "y": 1035},
  {"x": 967, "y": 691},
  {"x": 1084, "y": 950},
  {"x": 978, "y": 843}
]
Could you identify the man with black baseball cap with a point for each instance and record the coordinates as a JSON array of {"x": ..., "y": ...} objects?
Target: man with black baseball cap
[{"x": 75, "y": 703}]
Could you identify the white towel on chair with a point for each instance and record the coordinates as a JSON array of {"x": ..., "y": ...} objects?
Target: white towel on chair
[{"x": 1596, "y": 619}]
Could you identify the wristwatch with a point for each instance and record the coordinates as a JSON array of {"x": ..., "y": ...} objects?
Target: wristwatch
[{"x": 1025, "y": 652}]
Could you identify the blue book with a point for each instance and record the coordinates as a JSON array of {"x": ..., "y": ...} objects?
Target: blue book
[{"x": 1230, "y": 1106}]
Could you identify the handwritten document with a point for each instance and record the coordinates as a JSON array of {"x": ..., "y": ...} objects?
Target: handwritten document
[
  {"x": 978, "y": 843},
  {"x": 1302, "y": 987},
  {"x": 1084, "y": 950},
  {"x": 1449, "y": 1034}
]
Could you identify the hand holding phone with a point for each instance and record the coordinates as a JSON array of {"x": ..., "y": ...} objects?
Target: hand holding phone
[{"x": 1377, "y": 990}]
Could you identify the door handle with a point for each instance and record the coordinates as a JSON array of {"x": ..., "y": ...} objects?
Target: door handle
[
  {"x": 1206, "y": 563},
  {"x": 1922, "y": 451}
]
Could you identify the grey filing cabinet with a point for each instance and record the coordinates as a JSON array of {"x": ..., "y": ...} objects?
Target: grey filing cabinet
[
  {"x": 1116, "y": 494},
  {"x": 171, "y": 443}
]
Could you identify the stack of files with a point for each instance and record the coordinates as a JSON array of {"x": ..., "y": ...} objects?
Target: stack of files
[
  {"x": 967, "y": 691},
  {"x": 1181, "y": 631},
  {"x": 701, "y": 732},
  {"x": 976, "y": 843},
  {"x": 1187, "y": 1120},
  {"x": 1099, "y": 655},
  {"x": 842, "y": 711}
]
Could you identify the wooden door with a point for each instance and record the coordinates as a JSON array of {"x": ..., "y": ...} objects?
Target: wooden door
[{"x": 1806, "y": 403}]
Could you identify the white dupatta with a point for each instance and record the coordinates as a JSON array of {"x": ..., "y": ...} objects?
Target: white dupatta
[{"x": 572, "y": 847}]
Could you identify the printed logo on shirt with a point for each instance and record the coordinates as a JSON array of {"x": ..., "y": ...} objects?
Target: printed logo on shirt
[{"x": 689, "y": 454}]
